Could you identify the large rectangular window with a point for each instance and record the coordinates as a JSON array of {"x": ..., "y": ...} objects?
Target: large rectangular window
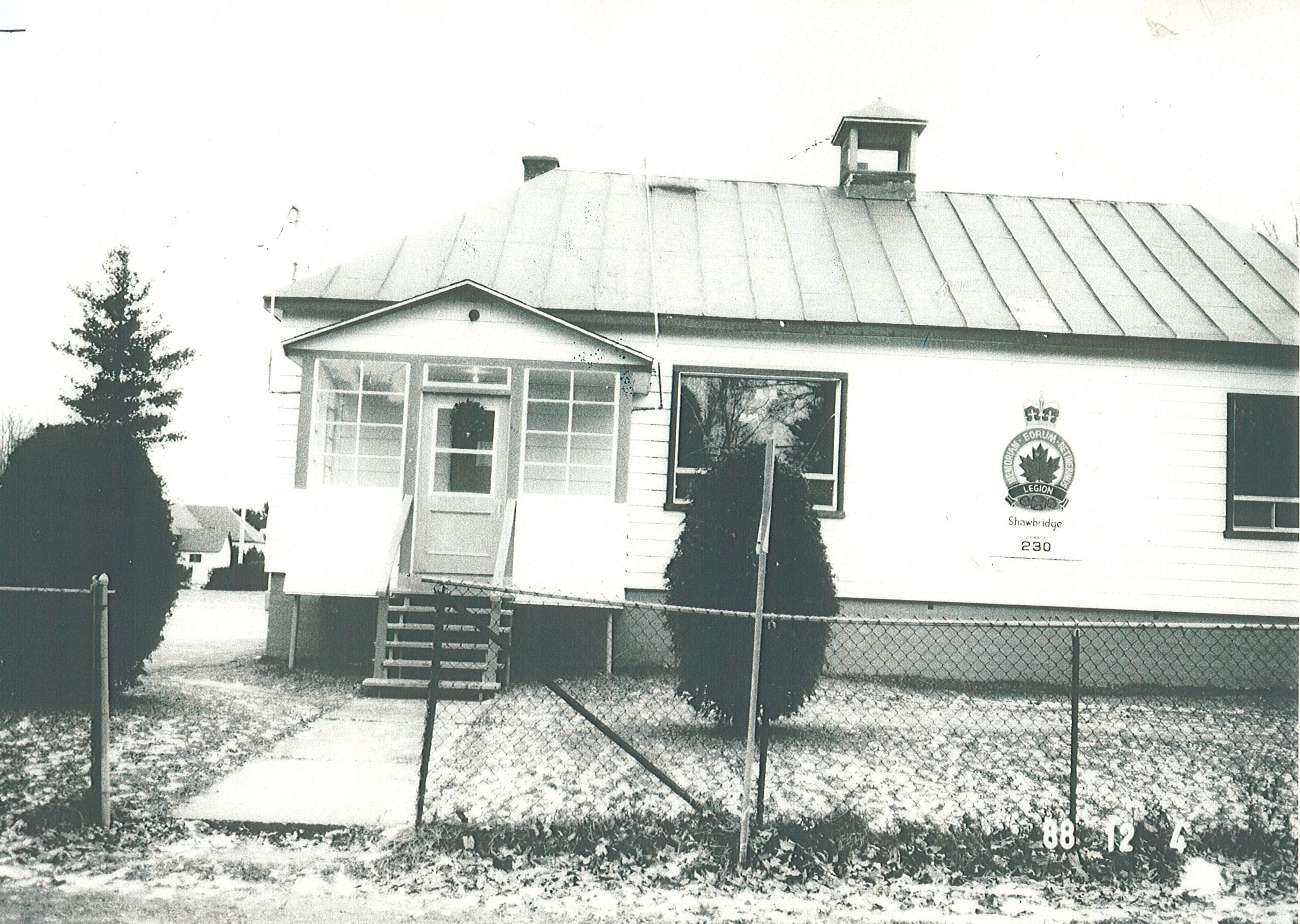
[
  {"x": 715, "y": 412},
  {"x": 1263, "y": 467},
  {"x": 358, "y": 423},
  {"x": 570, "y": 432}
]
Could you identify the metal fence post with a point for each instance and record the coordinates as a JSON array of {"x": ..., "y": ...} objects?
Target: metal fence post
[
  {"x": 99, "y": 715},
  {"x": 764, "y": 531},
  {"x": 1074, "y": 728},
  {"x": 430, "y": 711}
]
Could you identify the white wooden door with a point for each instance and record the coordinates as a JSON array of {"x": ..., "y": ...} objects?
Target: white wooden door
[{"x": 462, "y": 483}]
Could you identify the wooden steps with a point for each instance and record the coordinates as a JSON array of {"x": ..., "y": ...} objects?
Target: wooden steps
[{"x": 471, "y": 665}]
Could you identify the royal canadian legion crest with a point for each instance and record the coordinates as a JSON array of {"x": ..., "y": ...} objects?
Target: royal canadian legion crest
[{"x": 1038, "y": 464}]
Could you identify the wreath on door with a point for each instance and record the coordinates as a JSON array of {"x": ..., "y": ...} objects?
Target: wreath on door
[{"x": 471, "y": 427}]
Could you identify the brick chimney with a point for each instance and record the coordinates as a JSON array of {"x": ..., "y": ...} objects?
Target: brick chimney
[
  {"x": 888, "y": 138},
  {"x": 537, "y": 164}
]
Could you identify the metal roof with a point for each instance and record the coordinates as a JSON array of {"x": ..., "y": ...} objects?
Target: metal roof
[{"x": 573, "y": 241}]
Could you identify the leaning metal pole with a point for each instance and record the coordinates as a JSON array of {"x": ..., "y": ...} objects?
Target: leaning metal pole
[
  {"x": 430, "y": 711},
  {"x": 760, "y": 547}
]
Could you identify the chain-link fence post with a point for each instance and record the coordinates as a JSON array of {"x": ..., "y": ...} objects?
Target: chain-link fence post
[
  {"x": 430, "y": 710},
  {"x": 1074, "y": 727},
  {"x": 99, "y": 715},
  {"x": 760, "y": 546}
]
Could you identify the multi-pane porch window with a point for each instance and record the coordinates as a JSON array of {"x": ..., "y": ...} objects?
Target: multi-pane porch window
[
  {"x": 358, "y": 423},
  {"x": 569, "y": 432}
]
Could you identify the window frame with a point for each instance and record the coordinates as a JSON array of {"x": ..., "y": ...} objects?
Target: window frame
[
  {"x": 524, "y": 432},
  {"x": 839, "y": 455},
  {"x": 500, "y": 420},
  {"x": 1231, "y": 529},
  {"x": 430, "y": 384},
  {"x": 315, "y": 478}
]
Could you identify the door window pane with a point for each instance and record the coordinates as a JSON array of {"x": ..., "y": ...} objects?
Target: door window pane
[{"x": 464, "y": 452}]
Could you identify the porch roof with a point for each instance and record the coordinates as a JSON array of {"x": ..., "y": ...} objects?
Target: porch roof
[
  {"x": 466, "y": 286},
  {"x": 570, "y": 242}
]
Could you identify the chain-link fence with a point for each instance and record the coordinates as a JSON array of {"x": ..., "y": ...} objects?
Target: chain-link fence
[{"x": 911, "y": 720}]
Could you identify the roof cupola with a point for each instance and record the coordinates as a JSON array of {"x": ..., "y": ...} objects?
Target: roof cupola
[{"x": 878, "y": 152}]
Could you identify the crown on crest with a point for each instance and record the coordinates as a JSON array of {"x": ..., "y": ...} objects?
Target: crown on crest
[{"x": 1042, "y": 413}]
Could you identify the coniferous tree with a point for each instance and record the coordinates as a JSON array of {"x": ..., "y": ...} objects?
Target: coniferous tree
[
  {"x": 714, "y": 565},
  {"x": 124, "y": 347}
]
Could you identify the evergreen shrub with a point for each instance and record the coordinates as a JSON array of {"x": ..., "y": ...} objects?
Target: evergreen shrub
[
  {"x": 715, "y": 566},
  {"x": 78, "y": 500}
]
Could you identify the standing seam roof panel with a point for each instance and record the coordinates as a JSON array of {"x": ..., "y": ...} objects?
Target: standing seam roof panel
[
  {"x": 530, "y": 241},
  {"x": 968, "y": 279},
  {"x": 571, "y": 280},
  {"x": 419, "y": 265},
  {"x": 1051, "y": 264},
  {"x": 1202, "y": 286},
  {"x": 1264, "y": 257},
  {"x": 923, "y": 285},
  {"x": 356, "y": 278},
  {"x": 623, "y": 283},
  {"x": 477, "y": 250},
  {"x": 724, "y": 266},
  {"x": 1231, "y": 269},
  {"x": 1160, "y": 291},
  {"x": 876, "y": 292},
  {"x": 1108, "y": 283},
  {"x": 825, "y": 290},
  {"x": 776, "y": 289},
  {"x": 676, "y": 252},
  {"x": 1019, "y": 285}
]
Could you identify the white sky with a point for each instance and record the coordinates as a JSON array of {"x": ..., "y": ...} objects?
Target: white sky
[{"x": 187, "y": 131}]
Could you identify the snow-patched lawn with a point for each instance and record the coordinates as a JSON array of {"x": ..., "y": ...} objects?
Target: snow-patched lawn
[{"x": 888, "y": 752}]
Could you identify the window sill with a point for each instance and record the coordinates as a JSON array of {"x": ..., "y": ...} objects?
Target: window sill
[
  {"x": 821, "y": 514},
  {"x": 1247, "y": 534}
]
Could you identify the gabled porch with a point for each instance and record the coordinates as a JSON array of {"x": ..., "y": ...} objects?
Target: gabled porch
[{"x": 491, "y": 452}]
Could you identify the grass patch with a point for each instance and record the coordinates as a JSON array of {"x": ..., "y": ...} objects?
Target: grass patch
[
  {"x": 172, "y": 735},
  {"x": 637, "y": 847}
]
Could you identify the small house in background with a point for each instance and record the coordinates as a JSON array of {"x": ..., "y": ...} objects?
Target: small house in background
[
  {"x": 211, "y": 537},
  {"x": 1005, "y": 406}
]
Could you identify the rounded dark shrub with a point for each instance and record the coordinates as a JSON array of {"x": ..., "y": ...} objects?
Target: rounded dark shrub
[
  {"x": 715, "y": 566},
  {"x": 76, "y": 501}
]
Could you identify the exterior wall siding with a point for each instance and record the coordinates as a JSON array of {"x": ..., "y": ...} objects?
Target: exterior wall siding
[
  {"x": 925, "y": 512},
  {"x": 286, "y": 389}
]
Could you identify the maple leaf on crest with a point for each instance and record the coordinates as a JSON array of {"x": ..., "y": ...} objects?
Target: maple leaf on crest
[{"x": 1039, "y": 465}]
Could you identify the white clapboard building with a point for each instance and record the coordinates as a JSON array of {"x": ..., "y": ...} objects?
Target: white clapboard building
[{"x": 1005, "y": 406}]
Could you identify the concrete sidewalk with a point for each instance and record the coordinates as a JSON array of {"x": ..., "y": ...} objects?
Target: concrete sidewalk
[{"x": 357, "y": 765}]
